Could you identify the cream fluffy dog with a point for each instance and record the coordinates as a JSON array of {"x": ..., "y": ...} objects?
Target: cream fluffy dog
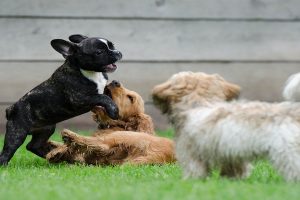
[{"x": 214, "y": 132}]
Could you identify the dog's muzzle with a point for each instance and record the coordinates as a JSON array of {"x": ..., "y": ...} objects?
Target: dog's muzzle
[
  {"x": 117, "y": 54},
  {"x": 115, "y": 83}
]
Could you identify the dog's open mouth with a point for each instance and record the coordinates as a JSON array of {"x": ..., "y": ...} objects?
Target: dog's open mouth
[
  {"x": 111, "y": 67},
  {"x": 107, "y": 92}
]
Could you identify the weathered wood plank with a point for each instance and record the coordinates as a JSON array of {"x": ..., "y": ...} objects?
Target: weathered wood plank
[
  {"x": 261, "y": 81},
  {"x": 29, "y": 39},
  {"x": 85, "y": 122},
  {"x": 215, "y": 9}
]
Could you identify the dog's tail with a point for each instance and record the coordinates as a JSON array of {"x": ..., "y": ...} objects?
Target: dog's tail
[{"x": 291, "y": 91}]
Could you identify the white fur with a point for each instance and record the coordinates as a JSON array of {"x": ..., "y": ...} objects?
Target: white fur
[
  {"x": 97, "y": 78},
  {"x": 291, "y": 91},
  {"x": 207, "y": 141},
  {"x": 104, "y": 41},
  {"x": 213, "y": 132}
]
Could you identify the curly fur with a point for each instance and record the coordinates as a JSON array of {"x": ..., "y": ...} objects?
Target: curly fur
[
  {"x": 116, "y": 148},
  {"x": 112, "y": 144},
  {"x": 132, "y": 115},
  {"x": 214, "y": 132}
]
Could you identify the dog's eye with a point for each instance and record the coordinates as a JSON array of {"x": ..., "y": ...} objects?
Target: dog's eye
[
  {"x": 98, "y": 52},
  {"x": 130, "y": 98}
]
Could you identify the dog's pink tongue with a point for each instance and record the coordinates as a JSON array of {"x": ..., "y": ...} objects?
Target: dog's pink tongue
[{"x": 112, "y": 67}]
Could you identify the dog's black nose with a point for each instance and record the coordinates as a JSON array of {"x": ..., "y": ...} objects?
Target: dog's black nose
[
  {"x": 118, "y": 55},
  {"x": 115, "y": 83}
]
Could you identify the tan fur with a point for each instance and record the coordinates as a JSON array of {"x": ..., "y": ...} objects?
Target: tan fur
[
  {"x": 127, "y": 140},
  {"x": 187, "y": 90},
  {"x": 211, "y": 131},
  {"x": 132, "y": 115},
  {"x": 118, "y": 148},
  {"x": 195, "y": 87}
]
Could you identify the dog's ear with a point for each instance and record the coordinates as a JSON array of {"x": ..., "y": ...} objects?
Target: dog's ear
[
  {"x": 231, "y": 91},
  {"x": 63, "y": 47},
  {"x": 131, "y": 98},
  {"x": 141, "y": 123},
  {"x": 77, "y": 38}
]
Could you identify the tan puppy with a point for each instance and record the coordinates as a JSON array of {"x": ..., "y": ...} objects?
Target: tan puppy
[
  {"x": 119, "y": 147},
  {"x": 132, "y": 115},
  {"x": 212, "y": 132},
  {"x": 113, "y": 144}
]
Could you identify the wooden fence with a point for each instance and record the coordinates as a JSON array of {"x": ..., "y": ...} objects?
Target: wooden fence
[{"x": 254, "y": 43}]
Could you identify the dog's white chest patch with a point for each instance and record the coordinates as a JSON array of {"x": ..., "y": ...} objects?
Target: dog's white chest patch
[{"x": 96, "y": 77}]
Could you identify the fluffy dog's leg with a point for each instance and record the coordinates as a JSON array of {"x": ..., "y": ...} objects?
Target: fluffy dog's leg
[
  {"x": 70, "y": 138},
  {"x": 236, "y": 170},
  {"x": 39, "y": 144},
  {"x": 195, "y": 169},
  {"x": 14, "y": 137},
  {"x": 192, "y": 164},
  {"x": 89, "y": 150},
  {"x": 287, "y": 162},
  {"x": 58, "y": 154},
  {"x": 64, "y": 153},
  {"x": 84, "y": 143}
]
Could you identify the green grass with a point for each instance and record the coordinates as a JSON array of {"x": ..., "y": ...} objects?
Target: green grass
[{"x": 29, "y": 177}]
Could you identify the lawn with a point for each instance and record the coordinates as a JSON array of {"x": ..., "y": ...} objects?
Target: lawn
[{"x": 30, "y": 177}]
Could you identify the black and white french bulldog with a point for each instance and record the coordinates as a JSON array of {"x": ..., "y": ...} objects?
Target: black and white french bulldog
[{"x": 73, "y": 89}]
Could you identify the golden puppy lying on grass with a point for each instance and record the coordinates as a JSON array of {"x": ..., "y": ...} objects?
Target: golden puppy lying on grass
[
  {"x": 132, "y": 115},
  {"x": 214, "y": 132},
  {"x": 113, "y": 144}
]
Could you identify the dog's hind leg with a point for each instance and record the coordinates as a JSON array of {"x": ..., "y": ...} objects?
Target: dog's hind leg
[
  {"x": 287, "y": 161},
  {"x": 80, "y": 142},
  {"x": 195, "y": 169},
  {"x": 14, "y": 137},
  {"x": 60, "y": 154},
  {"x": 90, "y": 150},
  {"x": 39, "y": 144}
]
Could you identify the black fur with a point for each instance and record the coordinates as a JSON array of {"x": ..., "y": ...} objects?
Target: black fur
[{"x": 66, "y": 94}]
